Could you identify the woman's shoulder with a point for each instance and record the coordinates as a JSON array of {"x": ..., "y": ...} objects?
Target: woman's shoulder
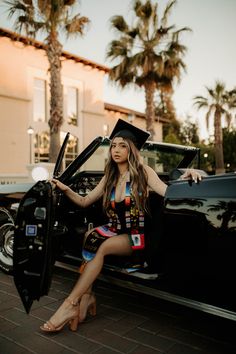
[
  {"x": 149, "y": 169},
  {"x": 151, "y": 173}
]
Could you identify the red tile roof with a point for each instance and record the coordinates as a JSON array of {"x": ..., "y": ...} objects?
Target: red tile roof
[
  {"x": 124, "y": 110},
  {"x": 37, "y": 44}
]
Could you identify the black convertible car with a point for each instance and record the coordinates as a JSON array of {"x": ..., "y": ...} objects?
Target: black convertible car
[{"x": 190, "y": 234}]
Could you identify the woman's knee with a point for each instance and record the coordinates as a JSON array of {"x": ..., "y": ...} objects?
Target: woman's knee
[
  {"x": 115, "y": 245},
  {"x": 102, "y": 252}
]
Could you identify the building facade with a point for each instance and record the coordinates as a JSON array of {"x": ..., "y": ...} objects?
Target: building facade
[{"x": 25, "y": 97}]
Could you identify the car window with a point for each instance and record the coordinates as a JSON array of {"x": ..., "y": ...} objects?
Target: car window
[
  {"x": 98, "y": 160},
  {"x": 161, "y": 162}
]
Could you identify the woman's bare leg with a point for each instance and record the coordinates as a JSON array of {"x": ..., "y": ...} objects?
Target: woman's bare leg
[
  {"x": 117, "y": 245},
  {"x": 87, "y": 300}
]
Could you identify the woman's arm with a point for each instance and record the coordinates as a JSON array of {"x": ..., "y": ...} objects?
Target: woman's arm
[
  {"x": 85, "y": 201},
  {"x": 154, "y": 182},
  {"x": 160, "y": 187}
]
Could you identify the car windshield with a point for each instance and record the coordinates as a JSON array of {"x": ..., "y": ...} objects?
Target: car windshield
[{"x": 161, "y": 157}]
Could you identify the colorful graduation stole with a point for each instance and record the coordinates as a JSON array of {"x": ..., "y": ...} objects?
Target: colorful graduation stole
[{"x": 134, "y": 219}]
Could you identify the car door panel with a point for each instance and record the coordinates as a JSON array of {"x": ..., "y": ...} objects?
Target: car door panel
[{"x": 33, "y": 251}]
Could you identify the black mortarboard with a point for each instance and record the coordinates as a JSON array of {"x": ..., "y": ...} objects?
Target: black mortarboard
[{"x": 124, "y": 129}]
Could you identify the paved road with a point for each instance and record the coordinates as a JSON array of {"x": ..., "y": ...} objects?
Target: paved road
[{"x": 126, "y": 322}]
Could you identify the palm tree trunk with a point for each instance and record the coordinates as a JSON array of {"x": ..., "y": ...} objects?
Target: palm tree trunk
[
  {"x": 150, "y": 108},
  {"x": 54, "y": 50},
  {"x": 219, "y": 156}
]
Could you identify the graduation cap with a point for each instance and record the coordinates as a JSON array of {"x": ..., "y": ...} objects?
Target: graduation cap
[{"x": 126, "y": 130}]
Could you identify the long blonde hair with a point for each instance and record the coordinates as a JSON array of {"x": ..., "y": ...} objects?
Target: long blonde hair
[{"x": 138, "y": 177}]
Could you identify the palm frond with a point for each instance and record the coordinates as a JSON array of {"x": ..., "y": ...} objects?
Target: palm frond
[
  {"x": 120, "y": 48},
  {"x": 173, "y": 69},
  {"x": 133, "y": 32},
  {"x": 175, "y": 49},
  {"x": 76, "y": 25},
  {"x": 136, "y": 5},
  {"x": 164, "y": 31},
  {"x": 158, "y": 64},
  {"x": 165, "y": 84},
  {"x": 16, "y": 7},
  {"x": 28, "y": 2},
  {"x": 200, "y": 102},
  {"x": 120, "y": 74},
  {"x": 119, "y": 23},
  {"x": 155, "y": 16},
  {"x": 69, "y": 2},
  {"x": 144, "y": 11},
  {"x": 44, "y": 7},
  {"x": 211, "y": 92},
  {"x": 167, "y": 12},
  {"x": 181, "y": 30},
  {"x": 220, "y": 85},
  {"x": 199, "y": 98}
]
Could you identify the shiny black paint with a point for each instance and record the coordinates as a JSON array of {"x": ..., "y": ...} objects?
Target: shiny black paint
[{"x": 200, "y": 239}]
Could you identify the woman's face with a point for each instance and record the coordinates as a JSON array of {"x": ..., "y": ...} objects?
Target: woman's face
[{"x": 119, "y": 150}]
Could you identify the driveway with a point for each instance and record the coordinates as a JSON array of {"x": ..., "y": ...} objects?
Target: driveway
[{"x": 126, "y": 322}]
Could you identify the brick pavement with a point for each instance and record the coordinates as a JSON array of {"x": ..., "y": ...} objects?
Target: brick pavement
[{"x": 126, "y": 322}]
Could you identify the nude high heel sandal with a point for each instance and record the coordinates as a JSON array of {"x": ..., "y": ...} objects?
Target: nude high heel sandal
[
  {"x": 92, "y": 308},
  {"x": 88, "y": 301},
  {"x": 73, "y": 321}
]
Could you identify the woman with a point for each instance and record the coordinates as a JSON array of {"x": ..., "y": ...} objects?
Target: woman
[{"x": 124, "y": 188}]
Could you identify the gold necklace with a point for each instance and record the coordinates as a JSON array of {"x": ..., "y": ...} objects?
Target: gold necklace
[{"x": 122, "y": 178}]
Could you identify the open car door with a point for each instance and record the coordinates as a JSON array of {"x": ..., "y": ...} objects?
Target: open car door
[
  {"x": 36, "y": 230},
  {"x": 33, "y": 251}
]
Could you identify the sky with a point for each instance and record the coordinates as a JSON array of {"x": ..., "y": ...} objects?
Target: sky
[{"x": 211, "y": 53}]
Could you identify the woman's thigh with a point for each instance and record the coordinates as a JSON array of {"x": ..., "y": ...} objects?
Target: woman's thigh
[{"x": 116, "y": 245}]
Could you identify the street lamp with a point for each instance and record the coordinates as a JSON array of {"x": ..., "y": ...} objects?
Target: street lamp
[
  {"x": 105, "y": 129},
  {"x": 131, "y": 117},
  {"x": 30, "y": 132}
]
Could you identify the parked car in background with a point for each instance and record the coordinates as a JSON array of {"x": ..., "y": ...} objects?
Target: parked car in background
[{"x": 190, "y": 233}]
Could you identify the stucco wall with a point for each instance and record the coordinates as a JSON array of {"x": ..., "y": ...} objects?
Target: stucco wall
[{"x": 19, "y": 65}]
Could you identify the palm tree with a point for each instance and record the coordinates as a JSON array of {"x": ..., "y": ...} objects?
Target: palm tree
[
  {"x": 217, "y": 103},
  {"x": 49, "y": 17},
  {"x": 148, "y": 53}
]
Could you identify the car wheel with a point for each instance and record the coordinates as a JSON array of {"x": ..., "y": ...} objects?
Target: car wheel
[{"x": 6, "y": 241}]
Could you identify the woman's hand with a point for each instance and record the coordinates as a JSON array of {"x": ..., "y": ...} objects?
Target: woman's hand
[
  {"x": 193, "y": 174},
  {"x": 60, "y": 185}
]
